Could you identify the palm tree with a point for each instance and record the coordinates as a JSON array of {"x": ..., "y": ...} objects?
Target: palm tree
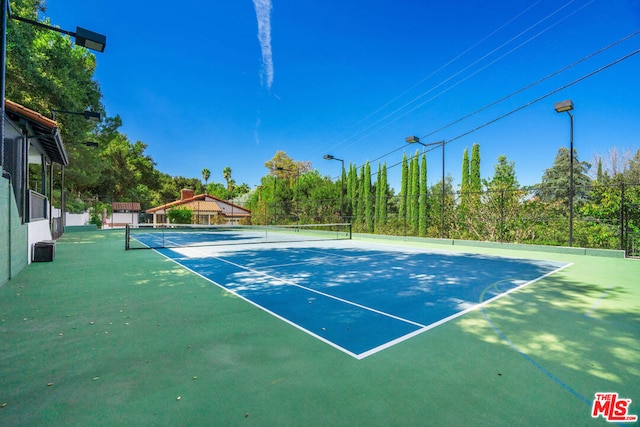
[
  {"x": 206, "y": 173},
  {"x": 226, "y": 173}
]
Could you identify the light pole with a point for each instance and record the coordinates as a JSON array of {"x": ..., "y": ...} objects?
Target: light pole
[
  {"x": 416, "y": 140},
  {"x": 330, "y": 157},
  {"x": 83, "y": 37},
  {"x": 566, "y": 107}
]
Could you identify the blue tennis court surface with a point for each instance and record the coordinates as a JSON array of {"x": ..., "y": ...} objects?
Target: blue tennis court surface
[{"x": 360, "y": 299}]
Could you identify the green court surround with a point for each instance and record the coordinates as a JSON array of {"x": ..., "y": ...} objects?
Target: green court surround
[{"x": 102, "y": 336}]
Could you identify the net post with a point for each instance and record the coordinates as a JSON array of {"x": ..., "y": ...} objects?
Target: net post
[
  {"x": 349, "y": 225},
  {"x": 126, "y": 237}
]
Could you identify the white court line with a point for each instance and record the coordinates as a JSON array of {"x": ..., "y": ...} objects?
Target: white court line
[
  {"x": 292, "y": 283},
  {"x": 598, "y": 302}
]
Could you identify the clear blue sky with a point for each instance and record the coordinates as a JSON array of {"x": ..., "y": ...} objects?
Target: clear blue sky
[{"x": 213, "y": 83}]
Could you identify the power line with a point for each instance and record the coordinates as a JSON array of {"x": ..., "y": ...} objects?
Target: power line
[
  {"x": 529, "y": 86},
  {"x": 548, "y": 94},
  {"x": 534, "y": 101},
  {"x": 397, "y": 110},
  {"x": 428, "y": 76}
]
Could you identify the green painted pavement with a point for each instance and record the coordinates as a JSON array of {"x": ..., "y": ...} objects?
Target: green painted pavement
[{"x": 102, "y": 336}]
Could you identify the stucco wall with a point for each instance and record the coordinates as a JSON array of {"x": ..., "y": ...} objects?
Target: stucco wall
[{"x": 14, "y": 249}]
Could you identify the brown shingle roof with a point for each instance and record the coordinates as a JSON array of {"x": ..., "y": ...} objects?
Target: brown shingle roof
[
  {"x": 125, "y": 206},
  {"x": 199, "y": 202}
]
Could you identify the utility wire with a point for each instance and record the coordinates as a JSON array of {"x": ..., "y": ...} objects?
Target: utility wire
[
  {"x": 529, "y": 86},
  {"x": 428, "y": 76},
  {"x": 392, "y": 113},
  {"x": 548, "y": 94},
  {"x": 534, "y": 101}
]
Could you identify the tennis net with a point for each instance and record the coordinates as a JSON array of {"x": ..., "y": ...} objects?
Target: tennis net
[{"x": 157, "y": 236}]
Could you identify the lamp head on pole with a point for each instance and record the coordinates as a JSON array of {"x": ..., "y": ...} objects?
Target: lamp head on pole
[
  {"x": 94, "y": 116},
  {"x": 412, "y": 139},
  {"x": 563, "y": 106},
  {"x": 328, "y": 157},
  {"x": 90, "y": 40}
]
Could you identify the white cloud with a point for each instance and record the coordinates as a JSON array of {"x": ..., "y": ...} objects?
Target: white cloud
[{"x": 263, "y": 14}]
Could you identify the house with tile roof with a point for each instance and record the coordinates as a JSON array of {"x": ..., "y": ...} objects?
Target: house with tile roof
[
  {"x": 122, "y": 214},
  {"x": 206, "y": 210}
]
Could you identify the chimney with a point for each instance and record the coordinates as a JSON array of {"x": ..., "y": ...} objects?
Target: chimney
[{"x": 186, "y": 193}]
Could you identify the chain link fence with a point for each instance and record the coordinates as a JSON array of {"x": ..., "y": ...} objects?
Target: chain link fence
[{"x": 605, "y": 216}]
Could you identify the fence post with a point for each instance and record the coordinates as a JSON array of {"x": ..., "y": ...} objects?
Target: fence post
[
  {"x": 623, "y": 245},
  {"x": 502, "y": 215}
]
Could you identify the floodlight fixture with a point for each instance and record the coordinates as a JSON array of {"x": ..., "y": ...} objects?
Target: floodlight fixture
[
  {"x": 412, "y": 139},
  {"x": 83, "y": 37},
  {"x": 93, "y": 116},
  {"x": 563, "y": 106},
  {"x": 90, "y": 39}
]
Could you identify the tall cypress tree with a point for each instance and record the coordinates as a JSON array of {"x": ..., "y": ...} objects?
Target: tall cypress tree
[
  {"x": 368, "y": 202},
  {"x": 353, "y": 190},
  {"x": 361, "y": 198},
  {"x": 415, "y": 192},
  {"x": 404, "y": 186},
  {"x": 475, "y": 184},
  {"x": 600, "y": 174},
  {"x": 383, "y": 196},
  {"x": 378, "y": 204},
  {"x": 465, "y": 171},
  {"x": 423, "y": 197}
]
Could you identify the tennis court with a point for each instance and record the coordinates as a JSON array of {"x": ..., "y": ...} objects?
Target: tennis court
[{"x": 359, "y": 298}]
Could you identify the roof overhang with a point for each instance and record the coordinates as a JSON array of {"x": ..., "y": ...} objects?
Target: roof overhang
[{"x": 45, "y": 130}]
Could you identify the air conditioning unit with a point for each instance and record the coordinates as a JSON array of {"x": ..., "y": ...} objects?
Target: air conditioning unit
[{"x": 44, "y": 251}]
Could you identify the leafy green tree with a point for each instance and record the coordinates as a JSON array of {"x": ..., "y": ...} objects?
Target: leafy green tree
[
  {"x": 504, "y": 176},
  {"x": 217, "y": 189},
  {"x": 555, "y": 183},
  {"x": 319, "y": 198},
  {"x": 502, "y": 202},
  {"x": 632, "y": 174},
  {"x": 180, "y": 215},
  {"x": 284, "y": 167}
]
